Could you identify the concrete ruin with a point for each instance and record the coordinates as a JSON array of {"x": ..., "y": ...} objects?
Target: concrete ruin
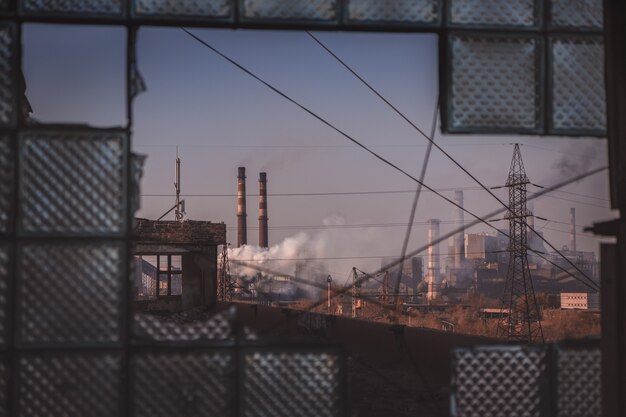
[{"x": 176, "y": 264}]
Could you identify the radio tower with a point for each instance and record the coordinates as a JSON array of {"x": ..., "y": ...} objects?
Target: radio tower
[{"x": 523, "y": 321}]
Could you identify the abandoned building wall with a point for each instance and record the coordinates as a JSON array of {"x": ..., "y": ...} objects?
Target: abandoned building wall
[
  {"x": 199, "y": 278},
  {"x": 196, "y": 242},
  {"x": 188, "y": 232}
]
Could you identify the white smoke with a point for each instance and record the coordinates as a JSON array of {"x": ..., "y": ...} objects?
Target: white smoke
[{"x": 312, "y": 256}]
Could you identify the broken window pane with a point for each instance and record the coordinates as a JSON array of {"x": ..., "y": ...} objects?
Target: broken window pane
[
  {"x": 177, "y": 284},
  {"x": 145, "y": 273},
  {"x": 402, "y": 11},
  {"x": 494, "y": 85},
  {"x": 73, "y": 183},
  {"x": 577, "y": 13},
  {"x": 578, "y": 94},
  {"x": 8, "y": 75},
  {"x": 83, "y": 65},
  {"x": 74, "y": 7},
  {"x": 494, "y": 12},
  {"x": 70, "y": 293},
  {"x": 163, "y": 287},
  {"x": 324, "y": 10},
  {"x": 183, "y": 8}
]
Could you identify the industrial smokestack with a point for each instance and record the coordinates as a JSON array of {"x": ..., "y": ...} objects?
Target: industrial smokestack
[
  {"x": 572, "y": 230},
  {"x": 459, "y": 238},
  {"x": 263, "y": 234},
  {"x": 433, "y": 259},
  {"x": 242, "y": 228}
]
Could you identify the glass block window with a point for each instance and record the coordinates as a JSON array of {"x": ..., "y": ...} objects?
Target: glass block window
[
  {"x": 494, "y": 83},
  {"x": 400, "y": 11},
  {"x": 523, "y": 13},
  {"x": 73, "y": 7},
  {"x": 320, "y": 10},
  {"x": 185, "y": 9},
  {"x": 8, "y": 75},
  {"x": 73, "y": 183},
  {"x": 198, "y": 383},
  {"x": 577, "y": 85},
  {"x": 291, "y": 384},
  {"x": 4, "y": 296},
  {"x": 7, "y": 176},
  {"x": 70, "y": 293},
  {"x": 70, "y": 385},
  {"x": 577, "y": 13},
  {"x": 4, "y": 374},
  {"x": 498, "y": 381},
  {"x": 579, "y": 381}
]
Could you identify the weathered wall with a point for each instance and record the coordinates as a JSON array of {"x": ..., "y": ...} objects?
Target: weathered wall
[
  {"x": 200, "y": 278},
  {"x": 186, "y": 233}
]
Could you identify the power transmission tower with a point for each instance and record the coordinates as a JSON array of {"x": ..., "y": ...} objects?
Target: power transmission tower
[
  {"x": 522, "y": 323},
  {"x": 225, "y": 285},
  {"x": 356, "y": 294},
  {"x": 384, "y": 297}
]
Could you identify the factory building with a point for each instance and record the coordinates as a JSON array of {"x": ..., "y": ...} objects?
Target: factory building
[
  {"x": 481, "y": 247},
  {"x": 580, "y": 301}
]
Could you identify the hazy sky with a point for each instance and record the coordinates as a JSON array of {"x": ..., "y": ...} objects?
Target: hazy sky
[{"x": 220, "y": 118}]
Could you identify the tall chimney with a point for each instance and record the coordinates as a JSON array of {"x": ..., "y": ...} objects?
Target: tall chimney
[
  {"x": 459, "y": 238},
  {"x": 263, "y": 234},
  {"x": 242, "y": 229},
  {"x": 434, "y": 268},
  {"x": 572, "y": 230}
]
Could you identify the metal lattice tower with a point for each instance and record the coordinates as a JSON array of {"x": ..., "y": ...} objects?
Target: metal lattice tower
[
  {"x": 225, "y": 285},
  {"x": 523, "y": 321},
  {"x": 384, "y": 296},
  {"x": 356, "y": 294}
]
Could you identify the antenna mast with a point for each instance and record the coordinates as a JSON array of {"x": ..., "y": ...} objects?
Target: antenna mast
[{"x": 180, "y": 205}]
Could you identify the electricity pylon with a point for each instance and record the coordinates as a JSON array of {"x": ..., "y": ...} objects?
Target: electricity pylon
[{"x": 521, "y": 323}]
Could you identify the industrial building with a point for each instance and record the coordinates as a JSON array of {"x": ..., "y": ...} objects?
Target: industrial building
[{"x": 580, "y": 301}]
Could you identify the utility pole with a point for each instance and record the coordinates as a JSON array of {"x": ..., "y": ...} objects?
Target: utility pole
[{"x": 522, "y": 323}]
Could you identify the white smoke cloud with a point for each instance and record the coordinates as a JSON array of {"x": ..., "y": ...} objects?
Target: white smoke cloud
[{"x": 319, "y": 251}]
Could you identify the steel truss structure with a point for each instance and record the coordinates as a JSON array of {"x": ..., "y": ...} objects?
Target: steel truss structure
[{"x": 522, "y": 323}]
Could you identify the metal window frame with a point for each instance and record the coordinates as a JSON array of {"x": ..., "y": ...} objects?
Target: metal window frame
[{"x": 15, "y": 17}]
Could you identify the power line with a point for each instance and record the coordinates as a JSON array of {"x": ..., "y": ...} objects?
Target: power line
[
  {"x": 594, "y": 286},
  {"x": 494, "y": 213},
  {"x": 453, "y": 160},
  {"x": 374, "y": 154},
  {"x": 342, "y": 193}
]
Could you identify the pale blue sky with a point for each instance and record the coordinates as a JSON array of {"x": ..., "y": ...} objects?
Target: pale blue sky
[{"x": 220, "y": 118}]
